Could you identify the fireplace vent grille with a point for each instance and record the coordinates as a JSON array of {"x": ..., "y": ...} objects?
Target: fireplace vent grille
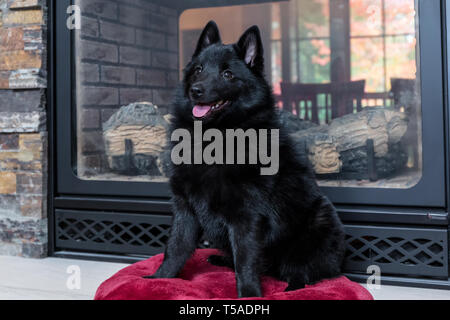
[
  {"x": 409, "y": 251},
  {"x": 418, "y": 252},
  {"x": 112, "y": 232}
]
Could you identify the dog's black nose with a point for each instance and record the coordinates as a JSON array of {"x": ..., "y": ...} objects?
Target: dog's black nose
[{"x": 196, "y": 92}]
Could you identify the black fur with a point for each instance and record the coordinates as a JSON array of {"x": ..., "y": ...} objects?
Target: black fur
[{"x": 279, "y": 225}]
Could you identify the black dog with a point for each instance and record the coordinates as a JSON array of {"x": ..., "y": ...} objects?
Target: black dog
[{"x": 279, "y": 225}]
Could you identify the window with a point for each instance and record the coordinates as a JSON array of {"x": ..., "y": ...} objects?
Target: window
[
  {"x": 310, "y": 41},
  {"x": 383, "y": 42}
]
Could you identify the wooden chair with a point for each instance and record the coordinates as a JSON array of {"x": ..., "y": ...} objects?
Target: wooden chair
[
  {"x": 378, "y": 99},
  {"x": 347, "y": 97},
  {"x": 339, "y": 98},
  {"x": 294, "y": 95}
]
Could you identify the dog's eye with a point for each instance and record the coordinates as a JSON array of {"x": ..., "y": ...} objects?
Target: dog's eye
[
  {"x": 228, "y": 75},
  {"x": 198, "y": 69}
]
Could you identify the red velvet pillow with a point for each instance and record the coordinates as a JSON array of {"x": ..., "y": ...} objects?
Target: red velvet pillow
[{"x": 201, "y": 280}]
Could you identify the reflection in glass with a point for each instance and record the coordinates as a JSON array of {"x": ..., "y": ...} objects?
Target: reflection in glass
[
  {"x": 366, "y": 17},
  {"x": 314, "y": 57},
  {"x": 368, "y": 63}
]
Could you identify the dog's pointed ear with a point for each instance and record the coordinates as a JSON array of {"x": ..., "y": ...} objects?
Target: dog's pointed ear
[
  {"x": 210, "y": 36},
  {"x": 251, "y": 49}
]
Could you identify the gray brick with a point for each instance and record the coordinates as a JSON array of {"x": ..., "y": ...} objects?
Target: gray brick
[
  {"x": 24, "y": 230},
  {"x": 89, "y": 72},
  {"x": 22, "y": 122},
  {"x": 102, "y": 8},
  {"x": 133, "y": 16},
  {"x": 100, "y": 96},
  {"x": 10, "y": 205},
  {"x": 122, "y": 75},
  {"x": 9, "y": 142},
  {"x": 34, "y": 250},
  {"x": 90, "y": 119},
  {"x": 158, "y": 22},
  {"x": 145, "y": 4},
  {"x": 172, "y": 43},
  {"x": 168, "y": 11},
  {"x": 150, "y": 39},
  {"x": 98, "y": 51},
  {"x": 151, "y": 78},
  {"x": 28, "y": 79},
  {"x": 172, "y": 25},
  {"x": 165, "y": 60},
  {"x": 128, "y": 96},
  {"x": 29, "y": 184},
  {"x": 22, "y": 100},
  {"x": 89, "y": 27},
  {"x": 34, "y": 39},
  {"x": 117, "y": 32},
  {"x": 135, "y": 56}
]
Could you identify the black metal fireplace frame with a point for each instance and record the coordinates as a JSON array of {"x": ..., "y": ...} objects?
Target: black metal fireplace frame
[
  {"x": 430, "y": 191},
  {"x": 421, "y": 208}
]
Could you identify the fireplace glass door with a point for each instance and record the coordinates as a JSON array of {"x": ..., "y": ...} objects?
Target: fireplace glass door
[{"x": 345, "y": 75}]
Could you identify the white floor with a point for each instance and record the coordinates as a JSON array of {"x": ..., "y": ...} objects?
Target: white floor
[
  {"x": 52, "y": 278},
  {"x": 56, "y": 279},
  {"x": 405, "y": 293}
]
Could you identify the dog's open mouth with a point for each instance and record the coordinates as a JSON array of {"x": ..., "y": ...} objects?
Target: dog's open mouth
[{"x": 201, "y": 111}]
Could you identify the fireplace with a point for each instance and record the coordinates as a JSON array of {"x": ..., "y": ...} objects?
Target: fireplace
[{"x": 360, "y": 84}]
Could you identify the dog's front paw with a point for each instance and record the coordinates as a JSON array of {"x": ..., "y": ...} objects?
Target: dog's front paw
[
  {"x": 158, "y": 275},
  {"x": 295, "y": 287},
  {"x": 250, "y": 291}
]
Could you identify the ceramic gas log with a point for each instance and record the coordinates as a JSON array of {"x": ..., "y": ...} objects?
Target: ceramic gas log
[
  {"x": 135, "y": 138},
  {"x": 364, "y": 145}
]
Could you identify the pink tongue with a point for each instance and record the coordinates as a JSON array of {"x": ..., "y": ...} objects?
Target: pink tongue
[{"x": 201, "y": 111}]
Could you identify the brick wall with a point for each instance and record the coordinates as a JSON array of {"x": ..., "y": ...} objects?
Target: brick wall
[
  {"x": 127, "y": 52},
  {"x": 23, "y": 137}
]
